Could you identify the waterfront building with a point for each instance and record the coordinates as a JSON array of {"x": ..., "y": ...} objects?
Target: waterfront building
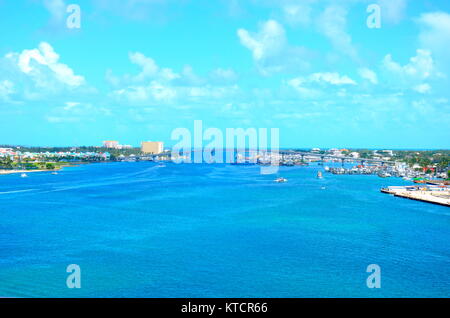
[
  {"x": 111, "y": 144},
  {"x": 152, "y": 147}
]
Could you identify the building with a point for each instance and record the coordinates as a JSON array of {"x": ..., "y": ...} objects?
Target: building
[
  {"x": 126, "y": 146},
  {"x": 152, "y": 147},
  {"x": 111, "y": 144},
  {"x": 354, "y": 154}
]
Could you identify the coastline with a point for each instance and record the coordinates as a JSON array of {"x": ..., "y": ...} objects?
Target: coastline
[{"x": 25, "y": 171}]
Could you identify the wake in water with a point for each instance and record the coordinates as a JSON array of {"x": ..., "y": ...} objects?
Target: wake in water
[{"x": 18, "y": 191}]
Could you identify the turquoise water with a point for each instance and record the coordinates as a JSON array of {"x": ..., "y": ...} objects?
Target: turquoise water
[{"x": 141, "y": 230}]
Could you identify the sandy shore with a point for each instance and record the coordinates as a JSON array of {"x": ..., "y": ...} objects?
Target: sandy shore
[{"x": 22, "y": 171}]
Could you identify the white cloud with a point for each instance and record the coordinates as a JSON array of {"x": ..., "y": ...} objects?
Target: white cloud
[
  {"x": 304, "y": 85},
  {"x": 43, "y": 67},
  {"x": 435, "y": 33},
  {"x": 70, "y": 105},
  {"x": 326, "y": 77},
  {"x": 149, "y": 70},
  {"x": 226, "y": 75},
  {"x": 59, "y": 119},
  {"x": 331, "y": 78},
  {"x": 148, "y": 65},
  {"x": 111, "y": 78},
  {"x": 297, "y": 13},
  {"x": 154, "y": 85},
  {"x": 420, "y": 67},
  {"x": 270, "y": 49},
  {"x": 157, "y": 92},
  {"x": 422, "y": 88},
  {"x": 189, "y": 77},
  {"x": 332, "y": 23},
  {"x": 368, "y": 74},
  {"x": 6, "y": 89},
  {"x": 269, "y": 41},
  {"x": 76, "y": 112},
  {"x": 306, "y": 92},
  {"x": 422, "y": 107}
]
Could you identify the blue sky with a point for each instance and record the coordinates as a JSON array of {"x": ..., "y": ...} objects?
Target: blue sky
[{"x": 136, "y": 70}]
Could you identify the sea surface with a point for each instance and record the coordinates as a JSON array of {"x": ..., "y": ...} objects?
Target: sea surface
[{"x": 198, "y": 230}]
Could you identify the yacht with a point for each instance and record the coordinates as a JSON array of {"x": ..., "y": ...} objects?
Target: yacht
[
  {"x": 280, "y": 180},
  {"x": 23, "y": 175}
]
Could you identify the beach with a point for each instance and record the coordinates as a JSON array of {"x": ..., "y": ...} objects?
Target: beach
[{"x": 26, "y": 171}]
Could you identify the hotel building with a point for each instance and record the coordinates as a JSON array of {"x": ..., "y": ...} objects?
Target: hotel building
[{"x": 152, "y": 147}]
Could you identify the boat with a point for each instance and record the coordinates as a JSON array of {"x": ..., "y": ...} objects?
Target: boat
[
  {"x": 319, "y": 175},
  {"x": 280, "y": 180},
  {"x": 54, "y": 172},
  {"x": 23, "y": 175},
  {"x": 327, "y": 168}
]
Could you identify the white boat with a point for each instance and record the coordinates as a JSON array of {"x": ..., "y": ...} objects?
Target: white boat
[
  {"x": 54, "y": 172},
  {"x": 23, "y": 175},
  {"x": 319, "y": 175},
  {"x": 327, "y": 168},
  {"x": 280, "y": 180}
]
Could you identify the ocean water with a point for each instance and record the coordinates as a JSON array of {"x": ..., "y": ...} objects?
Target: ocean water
[{"x": 198, "y": 230}]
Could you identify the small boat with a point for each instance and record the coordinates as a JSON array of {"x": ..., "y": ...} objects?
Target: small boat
[
  {"x": 54, "y": 172},
  {"x": 319, "y": 175},
  {"x": 327, "y": 168},
  {"x": 23, "y": 175},
  {"x": 280, "y": 180}
]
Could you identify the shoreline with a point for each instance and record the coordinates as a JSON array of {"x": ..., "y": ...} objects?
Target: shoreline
[{"x": 2, "y": 172}]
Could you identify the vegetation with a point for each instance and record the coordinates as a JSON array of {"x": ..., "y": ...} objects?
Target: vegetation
[{"x": 9, "y": 164}]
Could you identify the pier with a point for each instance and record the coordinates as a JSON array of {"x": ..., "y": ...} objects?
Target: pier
[{"x": 431, "y": 194}]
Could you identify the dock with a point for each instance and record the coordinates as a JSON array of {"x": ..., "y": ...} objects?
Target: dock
[{"x": 431, "y": 194}]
